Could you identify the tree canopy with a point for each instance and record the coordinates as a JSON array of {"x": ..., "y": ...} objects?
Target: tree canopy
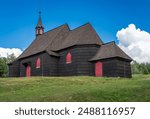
[
  {"x": 4, "y": 66},
  {"x": 143, "y": 68}
]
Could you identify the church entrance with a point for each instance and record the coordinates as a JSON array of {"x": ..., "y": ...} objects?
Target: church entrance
[
  {"x": 99, "y": 69},
  {"x": 28, "y": 71}
]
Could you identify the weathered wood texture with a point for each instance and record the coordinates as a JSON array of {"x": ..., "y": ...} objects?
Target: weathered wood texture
[
  {"x": 116, "y": 67},
  {"x": 80, "y": 64},
  {"x": 48, "y": 65},
  {"x": 14, "y": 69}
]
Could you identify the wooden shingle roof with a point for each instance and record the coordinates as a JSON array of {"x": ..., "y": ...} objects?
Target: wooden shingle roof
[
  {"x": 110, "y": 50},
  {"x": 60, "y": 38},
  {"x": 80, "y": 36},
  {"x": 43, "y": 42}
]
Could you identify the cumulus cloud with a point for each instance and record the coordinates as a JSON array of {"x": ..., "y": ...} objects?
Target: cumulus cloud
[
  {"x": 7, "y": 51},
  {"x": 135, "y": 42}
]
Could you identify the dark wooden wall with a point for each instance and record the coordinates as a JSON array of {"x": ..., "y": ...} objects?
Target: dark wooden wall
[
  {"x": 109, "y": 67},
  {"x": 123, "y": 68},
  {"x": 85, "y": 53},
  {"x": 14, "y": 70},
  {"x": 48, "y": 65},
  {"x": 32, "y": 62},
  {"x": 80, "y": 64},
  {"x": 116, "y": 67}
]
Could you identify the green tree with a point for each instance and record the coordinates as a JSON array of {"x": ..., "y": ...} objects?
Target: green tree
[
  {"x": 10, "y": 58},
  {"x": 143, "y": 68},
  {"x": 3, "y": 67},
  {"x": 135, "y": 68}
]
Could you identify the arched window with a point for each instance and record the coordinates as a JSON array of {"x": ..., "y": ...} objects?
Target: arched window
[
  {"x": 38, "y": 63},
  {"x": 68, "y": 58}
]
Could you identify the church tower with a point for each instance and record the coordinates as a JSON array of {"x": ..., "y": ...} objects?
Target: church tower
[{"x": 39, "y": 28}]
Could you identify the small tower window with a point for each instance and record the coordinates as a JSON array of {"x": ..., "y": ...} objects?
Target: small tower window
[
  {"x": 68, "y": 58},
  {"x": 38, "y": 63}
]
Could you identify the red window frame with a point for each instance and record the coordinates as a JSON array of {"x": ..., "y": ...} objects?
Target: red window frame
[
  {"x": 68, "y": 58},
  {"x": 38, "y": 63}
]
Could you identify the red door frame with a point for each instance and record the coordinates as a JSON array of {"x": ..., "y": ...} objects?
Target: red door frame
[
  {"x": 28, "y": 71},
  {"x": 98, "y": 69}
]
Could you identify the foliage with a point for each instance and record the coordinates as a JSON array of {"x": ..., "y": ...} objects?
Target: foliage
[
  {"x": 143, "y": 68},
  {"x": 4, "y": 66},
  {"x": 77, "y": 89},
  {"x": 10, "y": 58}
]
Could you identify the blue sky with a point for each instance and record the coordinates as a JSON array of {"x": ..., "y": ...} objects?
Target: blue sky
[{"x": 18, "y": 18}]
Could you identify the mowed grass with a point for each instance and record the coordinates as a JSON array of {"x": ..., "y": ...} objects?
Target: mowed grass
[{"x": 70, "y": 89}]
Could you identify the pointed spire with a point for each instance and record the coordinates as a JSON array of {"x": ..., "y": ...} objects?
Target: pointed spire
[
  {"x": 39, "y": 28},
  {"x": 39, "y": 20}
]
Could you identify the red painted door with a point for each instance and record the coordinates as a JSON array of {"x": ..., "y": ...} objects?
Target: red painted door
[
  {"x": 28, "y": 71},
  {"x": 99, "y": 69}
]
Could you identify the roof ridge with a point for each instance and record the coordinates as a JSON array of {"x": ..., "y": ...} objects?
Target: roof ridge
[
  {"x": 115, "y": 48},
  {"x": 84, "y": 25},
  {"x": 40, "y": 37},
  {"x": 115, "y": 51},
  {"x": 81, "y": 36},
  {"x": 90, "y": 27},
  {"x": 57, "y": 35},
  {"x": 77, "y": 28},
  {"x": 56, "y": 28},
  {"x": 88, "y": 23},
  {"x": 121, "y": 51}
]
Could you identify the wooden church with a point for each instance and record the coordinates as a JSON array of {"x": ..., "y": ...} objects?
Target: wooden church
[{"x": 65, "y": 52}]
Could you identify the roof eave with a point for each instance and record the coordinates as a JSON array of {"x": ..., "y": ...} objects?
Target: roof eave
[{"x": 97, "y": 59}]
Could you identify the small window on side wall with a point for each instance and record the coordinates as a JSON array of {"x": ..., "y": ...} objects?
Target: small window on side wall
[
  {"x": 38, "y": 63},
  {"x": 68, "y": 58}
]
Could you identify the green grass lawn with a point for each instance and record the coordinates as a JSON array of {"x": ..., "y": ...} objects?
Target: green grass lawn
[{"x": 75, "y": 89}]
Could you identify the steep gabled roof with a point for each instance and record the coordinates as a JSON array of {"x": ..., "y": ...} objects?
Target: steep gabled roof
[
  {"x": 43, "y": 42},
  {"x": 80, "y": 36},
  {"x": 60, "y": 38},
  {"x": 110, "y": 50}
]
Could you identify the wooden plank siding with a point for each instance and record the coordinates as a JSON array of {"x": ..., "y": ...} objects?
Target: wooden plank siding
[
  {"x": 80, "y": 64},
  {"x": 123, "y": 68},
  {"x": 109, "y": 67},
  {"x": 48, "y": 65},
  {"x": 116, "y": 67},
  {"x": 14, "y": 69}
]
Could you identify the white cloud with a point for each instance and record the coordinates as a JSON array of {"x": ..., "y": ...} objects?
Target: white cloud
[
  {"x": 135, "y": 42},
  {"x": 7, "y": 51}
]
